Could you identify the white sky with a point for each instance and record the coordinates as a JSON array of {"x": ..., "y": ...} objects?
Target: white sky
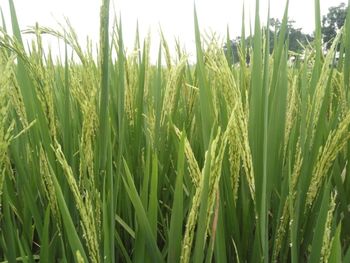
[{"x": 174, "y": 16}]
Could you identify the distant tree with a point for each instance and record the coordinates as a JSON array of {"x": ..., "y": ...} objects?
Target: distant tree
[
  {"x": 332, "y": 22},
  {"x": 232, "y": 50},
  {"x": 297, "y": 39}
]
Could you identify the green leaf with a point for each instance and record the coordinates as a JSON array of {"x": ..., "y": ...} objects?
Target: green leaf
[
  {"x": 201, "y": 231},
  {"x": 317, "y": 241},
  {"x": 175, "y": 232},
  {"x": 45, "y": 246},
  {"x": 143, "y": 222},
  {"x": 70, "y": 228},
  {"x": 205, "y": 94},
  {"x": 336, "y": 249}
]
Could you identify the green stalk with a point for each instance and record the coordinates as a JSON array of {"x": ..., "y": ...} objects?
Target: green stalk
[
  {"x": 104, "y": 85},
  {"x": 104, "y": 134},
  {"x": 265, "y": 196}
]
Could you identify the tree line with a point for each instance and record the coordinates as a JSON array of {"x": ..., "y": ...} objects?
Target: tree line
[{"x": 332, "y": 22}]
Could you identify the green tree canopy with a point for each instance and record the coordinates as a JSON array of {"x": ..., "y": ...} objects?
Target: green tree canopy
[
  {"x": 295, "y": 37},
  {"x": 332, "y": 22}
]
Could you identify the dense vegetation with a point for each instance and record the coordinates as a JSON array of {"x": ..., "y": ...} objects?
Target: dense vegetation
[{"x": 123, "y": 161}]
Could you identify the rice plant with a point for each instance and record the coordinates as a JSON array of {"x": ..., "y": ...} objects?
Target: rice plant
[{"x": 116, "y": 159}]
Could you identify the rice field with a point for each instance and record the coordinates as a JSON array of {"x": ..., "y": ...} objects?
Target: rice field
[{"x": 116, "y": 159}]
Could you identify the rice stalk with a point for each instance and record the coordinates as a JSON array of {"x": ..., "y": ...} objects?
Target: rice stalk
[
  {"x": 193, "y": 167},
  {"x": 336, "y": 141},
  {"x": 327, "y": 244},
  {"x": 84, "y": 206},
  {"x": 194, "y": 211}
]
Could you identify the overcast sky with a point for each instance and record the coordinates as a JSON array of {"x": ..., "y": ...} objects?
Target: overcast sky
[{"x": 175, "y": 17}]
